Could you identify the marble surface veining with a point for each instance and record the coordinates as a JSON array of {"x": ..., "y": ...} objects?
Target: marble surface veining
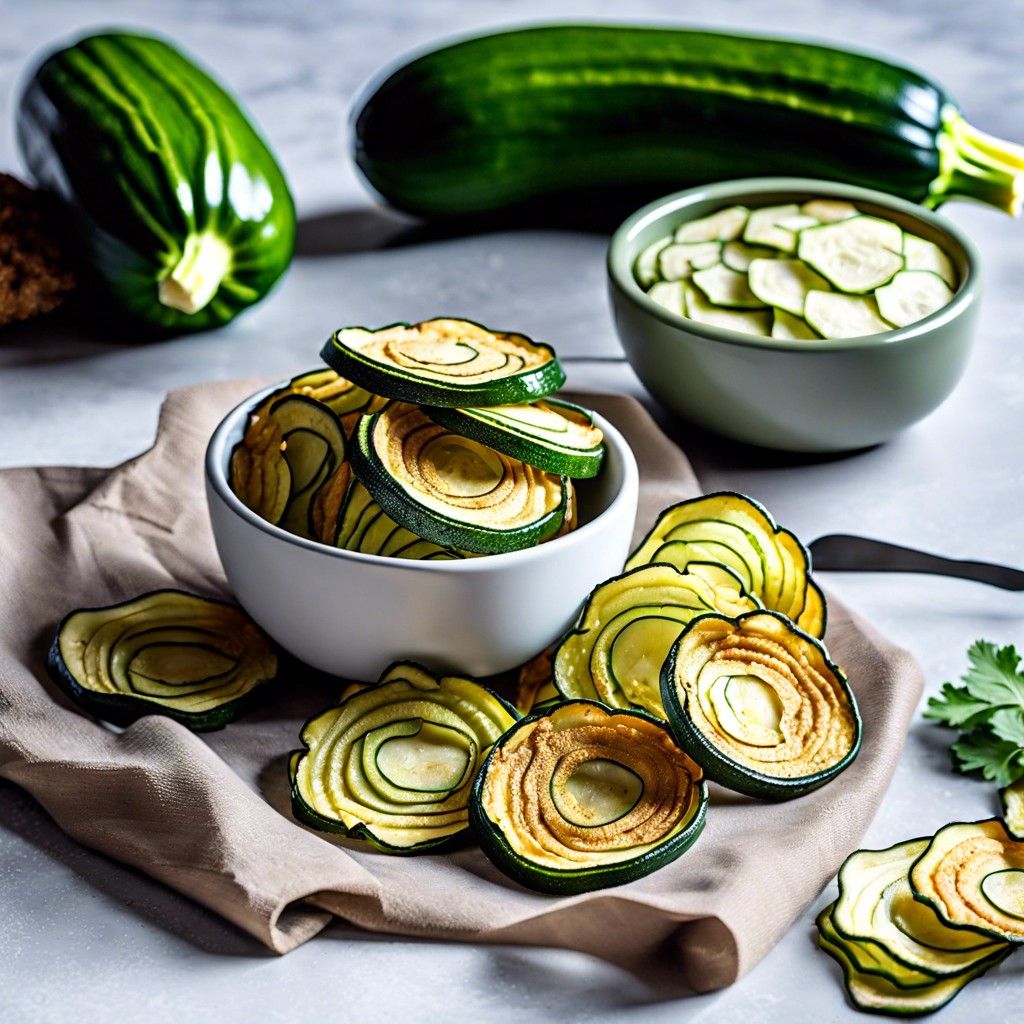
[{"x": 84, "y": 939}]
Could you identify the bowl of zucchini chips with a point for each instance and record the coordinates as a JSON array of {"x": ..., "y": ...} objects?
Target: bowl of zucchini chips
[
  {"x": 795, "y": 314},
  {"x": 422, "y": 494}
]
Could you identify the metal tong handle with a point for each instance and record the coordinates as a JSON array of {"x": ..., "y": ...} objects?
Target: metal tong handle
[{"x": 846, "y": 553}]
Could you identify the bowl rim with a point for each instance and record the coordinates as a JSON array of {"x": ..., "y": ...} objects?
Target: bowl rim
[
  {"x": 216, "y": 479},
  {"x": 620, "y": 260}
]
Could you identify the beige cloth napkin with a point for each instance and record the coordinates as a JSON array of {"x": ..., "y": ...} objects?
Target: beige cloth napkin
[{"x": 209, "y": 815}]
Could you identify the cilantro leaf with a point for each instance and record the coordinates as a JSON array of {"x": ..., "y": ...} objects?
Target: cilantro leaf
[
  {"x": 1008, "y": 724},
  {"x": 957, "y": 708},
  {"x": 991, "y": 683},
  {"x": 1002, "y": 761}
]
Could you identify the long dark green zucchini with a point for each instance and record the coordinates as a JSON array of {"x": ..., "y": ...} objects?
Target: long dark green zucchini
[
  {"x": 170, "y": 194},
  {"x": 563, "y": 119}
]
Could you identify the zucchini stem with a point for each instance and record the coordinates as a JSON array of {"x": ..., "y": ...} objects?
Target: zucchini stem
[
  {"x": 975, "y": 165},
  {"x": 194, "y": 279}
]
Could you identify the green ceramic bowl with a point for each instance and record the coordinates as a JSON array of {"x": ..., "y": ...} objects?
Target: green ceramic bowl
[{"x": 809, "y": 396}]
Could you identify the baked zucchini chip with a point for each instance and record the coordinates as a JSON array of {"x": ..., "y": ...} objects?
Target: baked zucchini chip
[
  {"x": 199, "y": 661},
  {"x": 450, "y": 490},
  {"x": 759, "y": 705},
  {"x": 629, "y": 623},
  {"x": 453, "y": 363},
  {"x": 972, "y": 874},
  {"x": 738, "y": 533},
  {"x": 346, "y": 400},
  {"x": 535, "y": 684},
  {"x": 393, "y": 764},
  {"x": 582, "y": 797},
  {"x": 555, "y": 436}
]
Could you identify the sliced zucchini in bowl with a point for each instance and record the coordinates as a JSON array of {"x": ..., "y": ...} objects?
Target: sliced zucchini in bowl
[
  {"x": 784, "y": 284},
  {"x": 197, "y": 660},
  {"x": 836, "y": 315},
  {"x": 856, "y": 255},
  {"x": 582, "y": 797},
  {"x": 721, "y": 226},
  {"x": 911, "y": 296},
  {"x": 723, "y": 286},
  {"x": 393, "y": 764},
  {"x": 451, "y": 490},
  {"x": 759, "y": 705},
  {"x": 680, "y": 259},
  {"x": 445, "y": 362}
]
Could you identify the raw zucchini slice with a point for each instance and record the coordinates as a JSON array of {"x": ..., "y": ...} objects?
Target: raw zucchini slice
[
  {"x": 763, "y": 227},
  {"x": 878, "y": 994},
  {"x": 1012, "y": 799},
  {"x": 671, "y": 295},
  {"x": 393, "y": 764},
  {"x": 857, "y": 254},
  {"x": 739, "y": 255},
  {"x": 645, "y": 269},
  {"x": 787, "y": 327},
  {"x": 725, "y": 287},
  {"x": 784, "y": 284},
  {"x": 759, "y": 705},
  {"x": 555, "y": 436},
  {"x": 347, "y": 401},
  {"x": 904, "y": 938},
  {"x": 920, "y": 254},
  {"x": 615, "y": 653},
  {"x": 737, "y": 532},
  {"x": 796, "y": 223},
  {"x": 828, "y": 211},
  {"x": 535, "y": 686},
  {"x": 911, "y": 296},
  {"x": 451, "y": 490},
  {"x": 834, "y": 315},
  {"x": 199, "y": 661},
  {"x": 972, "y": 874},
  {"x": 681, "y": 259},
  {"x": 581, "y": 798},
  {"x": 721, "y": 226},
  {"x": 445, "y": 362},
  {"x": 745, "y": 321}
]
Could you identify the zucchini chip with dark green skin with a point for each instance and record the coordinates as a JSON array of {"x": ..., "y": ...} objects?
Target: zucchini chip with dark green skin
[
  {"x": 451, "y": 490},
  {"x": 393, "y": 764},
  {"x": 289, "y": 450},
  {"x": 759, "y": 705},
  {"x": 199, "y": 661},
  {"x": 453, "y": 363},
  {"x": 555, "y": 436},
  {"x": 582, "y": 797},
  {"x": 346, "y": 400},
  {"x": 615, "y": 653},
  {"x": 877, "y": 993},
  {"x": 892, "y": 934},
  {"x": 737, "y": 532},
  {"x": 972, "y": 875}
]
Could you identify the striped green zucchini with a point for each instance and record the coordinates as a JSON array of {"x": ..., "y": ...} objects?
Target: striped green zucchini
[
  {"x": 567, "y": 120},
  {"x": 171, "y": 196}
]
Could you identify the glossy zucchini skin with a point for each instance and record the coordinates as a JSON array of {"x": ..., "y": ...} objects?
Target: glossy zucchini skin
[
  {"x": 147, "y": 152},
  {"x": 614, "y": 116}
]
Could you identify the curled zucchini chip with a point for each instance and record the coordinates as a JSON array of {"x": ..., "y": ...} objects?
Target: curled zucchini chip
[
  {"x": 759, "y": 705},
  {"x": 450, "y": 490},
  {"x": 289, "y": 450},
  {"x": 878, "y": 993},
  {"x": 972, "y": 874},
  {"x": 394, "y": 763},
  {"x": 894, "y": 935},
  {"x": 737, "y": 532},
  {"x": 629, "y": 623},
  {"x": 346, "y": 400},
  {"x": 581, "y": 798},
  {"x": 199, "y": 661},
  {"x": 454, "y": 363},
  {"x": 558, "y": 437},
  {"x": 1012, "y": 799}
]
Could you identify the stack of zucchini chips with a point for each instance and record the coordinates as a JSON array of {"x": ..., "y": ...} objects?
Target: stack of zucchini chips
[{"x": 913, "y": 924}]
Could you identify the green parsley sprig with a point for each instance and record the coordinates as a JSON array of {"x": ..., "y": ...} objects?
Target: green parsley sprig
[{"x": 988, "y": 709}]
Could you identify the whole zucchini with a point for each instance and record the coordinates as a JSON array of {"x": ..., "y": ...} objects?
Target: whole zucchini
[
  {"x": 171, "y": 196},
  {"x": 564, "y": 119}
]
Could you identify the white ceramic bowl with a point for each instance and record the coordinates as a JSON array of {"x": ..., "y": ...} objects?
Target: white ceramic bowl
[{"x": 352, "y": 614}]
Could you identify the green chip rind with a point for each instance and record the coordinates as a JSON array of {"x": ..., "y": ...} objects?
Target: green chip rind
[
  {"x": 396, "y": 383},
  {"x": 511, "y": 438},
  {"x": 545, "y": 879},
  {"x": 442, "y": 530}
]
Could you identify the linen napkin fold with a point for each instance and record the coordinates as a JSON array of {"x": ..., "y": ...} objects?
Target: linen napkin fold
[{"x": 208, "y": 815}]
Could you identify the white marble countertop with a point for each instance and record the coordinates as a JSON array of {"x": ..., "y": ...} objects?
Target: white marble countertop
[{"x": 85, "y": 939}]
